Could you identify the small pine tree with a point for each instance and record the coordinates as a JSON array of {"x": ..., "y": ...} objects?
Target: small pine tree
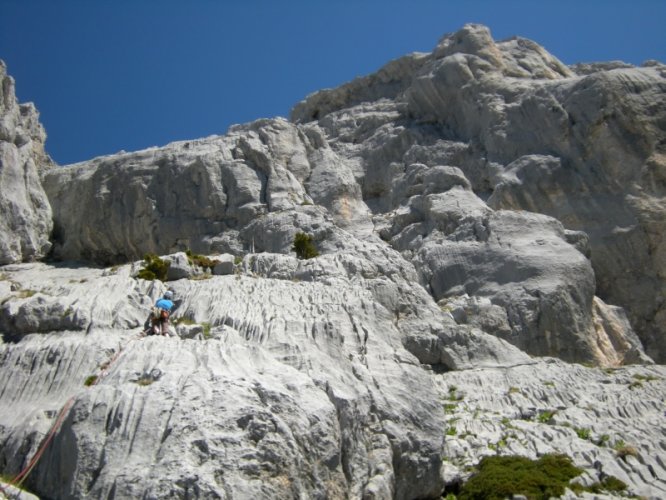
[
  {"x": 304, "y": 246},
  {"x": 154, "y": 268}
]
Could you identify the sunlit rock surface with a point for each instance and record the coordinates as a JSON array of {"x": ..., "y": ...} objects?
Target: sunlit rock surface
[
  {"x": 479, "y": 212},
  {"x": 25, "y": 224}
]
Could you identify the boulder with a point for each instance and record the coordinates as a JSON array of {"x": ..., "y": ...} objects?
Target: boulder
[
  {"x": 225, "y": 264},
  {"x": 180, "y": 266}
]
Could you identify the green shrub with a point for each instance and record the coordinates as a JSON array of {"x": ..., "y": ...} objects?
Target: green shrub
[
  {"x": 304, "y": 246},
  {"x": 502, "y": 477},
  {"x": 90, "y": 380},
  {"x": 154, "y": 268},
  {"x": 611, "y": 483},
  {"x": 603, "y": 440},
  {"x": 545, "y": 416},
  {"x": 201, "y": 261},
  {"x": 583, "y": 433}
]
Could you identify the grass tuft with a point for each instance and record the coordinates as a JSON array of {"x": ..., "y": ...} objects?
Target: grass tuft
[
  {"x": 583, "y": 433},
  {"x": 545, "y": 416},
  {"x": 206, "y": 330}
]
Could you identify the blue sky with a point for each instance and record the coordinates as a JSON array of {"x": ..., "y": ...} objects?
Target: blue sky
[{"x": 130, "y": 74}]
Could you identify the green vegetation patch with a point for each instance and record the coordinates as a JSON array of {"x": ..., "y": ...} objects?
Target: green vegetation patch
[
  {"x": 623, "y": 450},
  {"x": 545, "y": 416},
  {"x": 184, "y": 320},
  {"x": 583, "y": 433},
  {"x": 304, "y": 246},
  {"x": 610, "y": 484},
  {"x": 154, "y": 268},
  {"x": 450, "y": 407},
  {"x": 90, "y": 380},
  {"x": 25, "y": 294},
  {"x": 201, "y": 261},
  {"x": 502, "y": 477},
  {"x": 144, "y": 381}
]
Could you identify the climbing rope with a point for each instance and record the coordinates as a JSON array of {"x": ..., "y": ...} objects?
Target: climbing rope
[{"x": 21, "y": 477}]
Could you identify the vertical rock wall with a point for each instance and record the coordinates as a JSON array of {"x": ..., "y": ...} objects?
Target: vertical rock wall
[{"x": 25, "y": 225}]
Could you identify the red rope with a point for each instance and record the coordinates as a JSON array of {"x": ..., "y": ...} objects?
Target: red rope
[{"x": 18, "y": 480}]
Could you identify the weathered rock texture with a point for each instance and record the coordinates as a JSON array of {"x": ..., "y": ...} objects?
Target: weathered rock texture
[
  {"x": 477, "y": 211},
  {"x": 601, "y": 418},
  {"x": 587, "y": 148},
  {"x": 303, "y": 388},
  {"x": 25, "y": 225}
]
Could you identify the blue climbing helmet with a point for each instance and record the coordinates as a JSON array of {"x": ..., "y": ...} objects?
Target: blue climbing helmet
[{"x": 168, "y": 295}]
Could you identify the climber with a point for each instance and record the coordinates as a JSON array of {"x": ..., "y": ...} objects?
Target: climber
[{"x": 159, "y": 316}]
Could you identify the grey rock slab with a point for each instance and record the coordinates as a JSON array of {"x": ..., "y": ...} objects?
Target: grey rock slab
[
  {"x": 73, "y": 298},
  {"x": 303, "y": 392},
  {"x": 595, "y": 413}
]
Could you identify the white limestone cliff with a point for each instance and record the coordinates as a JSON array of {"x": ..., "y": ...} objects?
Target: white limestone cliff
[
  {"x": 25, "y": 225},
  {"x": 479, "y": 212}
]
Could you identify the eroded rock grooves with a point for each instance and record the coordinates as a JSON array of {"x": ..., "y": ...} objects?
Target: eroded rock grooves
[{"x": 479, "y": 211}]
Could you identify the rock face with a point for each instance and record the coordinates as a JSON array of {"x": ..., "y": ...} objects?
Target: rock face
[
  {"x": 478, "y": 211},
  {"x": 600, "y": 418},
  {"x": 303, "y": 388},
  {"x": 25, "y": 225},
  {"x": 528, "y": 133}
]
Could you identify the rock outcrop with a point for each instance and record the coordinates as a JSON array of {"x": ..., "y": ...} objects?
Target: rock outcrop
[
  {"x": 25, "y": 225},
  {"x": 301, "y": 388},
  {"x": 528, "y": 133},
  {"x": 478, "y": 212}
]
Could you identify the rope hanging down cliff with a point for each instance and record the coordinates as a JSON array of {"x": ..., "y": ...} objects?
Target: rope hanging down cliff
[{"x": 64, "y": 411}]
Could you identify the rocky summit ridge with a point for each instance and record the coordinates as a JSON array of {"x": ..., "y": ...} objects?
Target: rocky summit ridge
[{"x": 491, "y": 280}]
